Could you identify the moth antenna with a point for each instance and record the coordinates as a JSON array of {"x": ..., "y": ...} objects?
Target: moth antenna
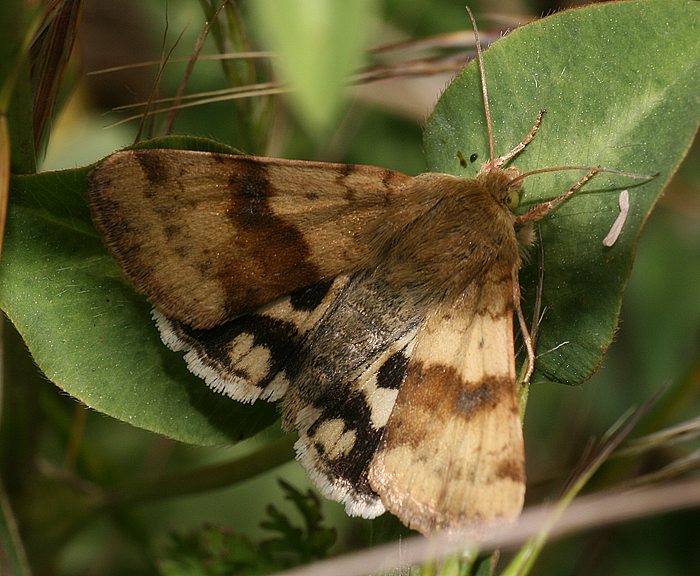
[
  {"x": 596, "y": 169},
  {"x": 484, "y": 91},
  {"x": 545, "y": 208}
]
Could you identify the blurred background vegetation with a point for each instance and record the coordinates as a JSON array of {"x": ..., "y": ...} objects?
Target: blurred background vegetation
[{"x": 658, "y": 342}]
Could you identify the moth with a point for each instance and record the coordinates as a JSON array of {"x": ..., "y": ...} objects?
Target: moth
[{"x": 375, "y": 307}]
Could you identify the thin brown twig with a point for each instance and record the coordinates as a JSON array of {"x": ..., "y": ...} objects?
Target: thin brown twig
[{"x": 585, "y": 513}]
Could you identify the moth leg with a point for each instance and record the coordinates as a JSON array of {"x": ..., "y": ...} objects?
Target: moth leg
[
  {"x": 527, "y": 339},
  {"x": 537, "y": 313},
  {"x": 541, "y": 210},
  {"x": 501, "y": 160}
]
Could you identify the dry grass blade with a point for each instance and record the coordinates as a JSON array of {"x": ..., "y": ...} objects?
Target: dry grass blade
[
  {"x": 199, "y": 45},
  {"x": 587, "y": 512},
  {"x": 426, "y": 66},
  {"x": 461, "y": 39},
  {"x": 223, "y": 92},
  {"x": 223, "y": 98},
  {"x": 50, "y": 53},
  {"x": 156, "y": 82},
  {"x": 675, "y": 469},
  {"x": 201, "y": 57},
  {"x": 683, "y": 432},
  {"x": 4, "y": 173},
  {"x": 412, "y": 69},
  {"x": 663, "y": 441}
]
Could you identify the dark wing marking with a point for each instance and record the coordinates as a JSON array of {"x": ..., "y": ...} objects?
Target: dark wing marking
[
  {"x": 343, "y": 384},
  {"x": 340, "y": 432},
  {"x": 245, "y": 358},
  {"x": 208, "y": 237}
]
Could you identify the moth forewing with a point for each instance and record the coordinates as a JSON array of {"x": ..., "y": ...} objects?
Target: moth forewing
[
  {"x": 171, "y": 218},
  {"x": 452, "y": 454}
]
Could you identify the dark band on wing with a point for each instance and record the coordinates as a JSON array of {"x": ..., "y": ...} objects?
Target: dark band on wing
[
  {"x": 360, "y": 436},
  {"x": 280, "y": 245},
  {"x": 310, "y": 298}
]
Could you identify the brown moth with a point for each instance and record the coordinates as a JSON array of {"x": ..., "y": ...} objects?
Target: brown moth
[{"x": 375, "y": 306}]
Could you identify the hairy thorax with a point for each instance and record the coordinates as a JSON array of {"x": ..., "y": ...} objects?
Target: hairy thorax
[{"x": 448, "y": 233}]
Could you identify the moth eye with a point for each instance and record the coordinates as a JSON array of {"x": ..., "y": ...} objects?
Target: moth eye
[{"x": 513, "y": 199}]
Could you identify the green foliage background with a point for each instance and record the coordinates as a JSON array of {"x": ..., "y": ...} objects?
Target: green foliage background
[{"x": 82, "y": 485}]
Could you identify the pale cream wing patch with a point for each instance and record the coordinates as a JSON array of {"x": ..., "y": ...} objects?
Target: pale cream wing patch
[
  {"x": 246, "y": 358},
  {"x": 452, "y": 454}
]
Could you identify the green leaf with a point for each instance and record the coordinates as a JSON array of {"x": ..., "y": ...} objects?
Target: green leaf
[
  {"x": 621, "y": 85},
  {"x": 320, "y": 44},
  {"x": 88, "y": 330}
]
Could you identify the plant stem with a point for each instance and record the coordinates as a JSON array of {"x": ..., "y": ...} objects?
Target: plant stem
[{"x": 206, "y": 478}]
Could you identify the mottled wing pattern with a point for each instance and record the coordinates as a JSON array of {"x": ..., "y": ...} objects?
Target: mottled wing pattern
[
  {"x": 308, "y": 282},
  {"x": 245, "y": 358},
  {"x": 340, "y": 431},
  {"x": 208, "y": 237},
  {"x": 452, "y": 453},
  {"x": 343, "y": 384}
]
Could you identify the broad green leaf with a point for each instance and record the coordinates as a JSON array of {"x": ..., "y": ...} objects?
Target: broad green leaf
[
  {"x": 88, "y": 330},
  {"x": 621, "y": 86},
  {"x": 320, "y": 45}
]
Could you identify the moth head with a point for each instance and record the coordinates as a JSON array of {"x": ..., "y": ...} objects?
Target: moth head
[{"x": 504, "y": 186}]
